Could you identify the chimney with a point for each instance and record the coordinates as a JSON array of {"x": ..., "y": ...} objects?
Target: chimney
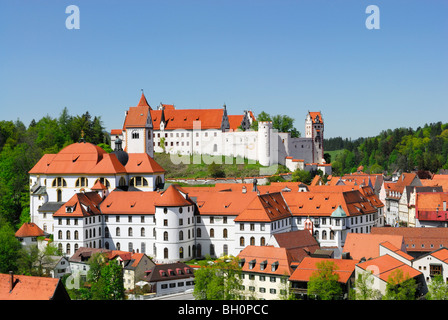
[
  {"x": 244, "y": 189},
  {"x": 11, "y": 281}
]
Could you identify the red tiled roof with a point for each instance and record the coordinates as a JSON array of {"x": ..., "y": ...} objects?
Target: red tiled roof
[
  {"x": 171, "y": 197},
  {"x": 27, "y": 287},
  {"x": 185, "y": 118},
  {"x": 142, "y": 163},
  {"x": 269, "y": 255},
  {"x": 344, "y": 268},
  {"x": 130, "y": 202},
  {"x": 384, "y": 266},
  {"x": 29, "y": 229},
  {"x": 265, "y": 208},
  {"x": 143, "y": 102},
  {"x": 418, "y": 239},
  {"x": 82, "y": 204},
  {"x": 366, "y": 245},
  {"x": 78, "y": 158}
]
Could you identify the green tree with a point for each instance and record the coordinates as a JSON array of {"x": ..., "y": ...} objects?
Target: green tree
[
  {"x": 363, "y": 288},
  {"x": 219, "y": 280},
  {"x": 323, "y": 283},
  {"x": 32, "y": 261},
  {"x": 109, "y": 285},
  {"x": 437, "y": 289},
  {"x": 9, "y": 248},
  {"x": 302, "y": 176},
  {"x": 400, "y": 286}
]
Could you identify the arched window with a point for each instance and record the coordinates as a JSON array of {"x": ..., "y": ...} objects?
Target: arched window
[
  {"x": 117, "y": 232},
  {"x": 59, "y": 195},
  {"x": 107, "y": 245},
  {"x": 130, "y": 233},
  {"x": 60, "y": 248},
  {"x": 224, "y": 233},
  {"x": 212, "y": 249},
  {"x": 122, "y": 182},
  {"x": 181, "y": 252},
  {"x": 68, "y": 235},
  {"x": 76, "y": 235},
  {"x": 106, "y": 232},
  {"x": 60, "y": 235},
  {"x": 226, "y": 250},
  {"x": 143, "y": 247},
  {"x": 118, "y": 246},
  {"x": 198, "y": 232},
  {"x": 324, "y": 235},
  {"x": 165, "y": 253},
  {"x": 59, "y": 182},
  {"x": 165, "y": 236},
  {"x": 331, "y": 235},
  {"x": 181, "y": 235},
  {"x": 138, "y": 182},
  {"x": 252, "y": 241},
  {"x": 142, "y": 232},
  {"x": 67, "y": 248},
  {"x": 262, "y": 241},
  {"x": 212, "y": 233},
  {"x": 81, "y": 182},
  {"x": 135, "y": 135},
  {"x": 242, "y": 242}
]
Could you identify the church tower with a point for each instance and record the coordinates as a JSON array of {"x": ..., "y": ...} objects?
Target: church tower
[{"x": 138, "y": 129}]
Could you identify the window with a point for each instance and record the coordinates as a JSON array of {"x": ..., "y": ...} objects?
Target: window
[
  {"x": 117, "y": 232},
  {"x": 138, "y": 182},
  {"x": 212, "y": 233},
  {"x": 59, "y": 182},
  {"x": 165, "y": 253},
  {"x": 165, "y": 236},
  {"x": 135, "y": 135},
  {"x": 252, "y": 241},
  {"x": 81, "y": 182},
  {"x": 130, "y": 233},
  {"x": 142, "y": 232},
  {"x": 224, "y": 233},
  {"x": 242, "y": 242}
]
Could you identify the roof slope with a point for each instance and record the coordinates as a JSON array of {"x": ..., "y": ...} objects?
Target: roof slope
[
  {"x": 385, "y": 265},
  {"x": 171, "y": 197},
  {"x": 142, "y": 163},
  {"x": 28, "y": 287},
  {"x": 366, "y": 245},
  {"x": 81, "y": 205},
  {"x": 344, "y": 268},
  {"x": 186, "y": 118},
  {"x": 265, "y": 208},
  {"x": 29, "y": 229}
]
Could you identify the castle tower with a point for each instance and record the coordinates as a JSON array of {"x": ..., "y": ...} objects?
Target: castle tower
[
  {"x": 138, "y": 129},
  {"x": 314, "y": 129},
  {"x": 174, "y": 224},
  {"x": 265, "y": 134}
]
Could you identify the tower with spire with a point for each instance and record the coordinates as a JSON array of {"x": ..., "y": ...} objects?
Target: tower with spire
[{"x": 137, "y": 133}]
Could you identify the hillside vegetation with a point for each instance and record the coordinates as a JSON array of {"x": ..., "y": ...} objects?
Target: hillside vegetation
[{"x": 405, "y": 149}]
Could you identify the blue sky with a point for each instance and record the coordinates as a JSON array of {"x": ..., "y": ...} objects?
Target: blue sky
[{"x": 282, "y": 57}]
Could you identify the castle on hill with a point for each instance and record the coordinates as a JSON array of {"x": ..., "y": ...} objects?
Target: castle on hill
[{"x": 215, "y": 133}]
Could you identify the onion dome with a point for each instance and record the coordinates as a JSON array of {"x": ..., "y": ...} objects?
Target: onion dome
[{"x": 121, "y": 155}]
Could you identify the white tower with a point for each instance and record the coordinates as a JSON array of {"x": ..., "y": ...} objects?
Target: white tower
[
  {"x": 265, "y": 150},
  {"x": 175, "y": 227}
]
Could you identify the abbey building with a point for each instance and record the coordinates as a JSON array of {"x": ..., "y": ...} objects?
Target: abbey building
[{"x": 87, "y": 197}]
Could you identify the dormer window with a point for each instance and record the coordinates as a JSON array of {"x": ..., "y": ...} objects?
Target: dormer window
[
  {"x": 274, "y": 266},
  {"x": 252, "y": 264},
  {"x": 241, "y": 262},
  {"x": 263, "y": 264},
  {"x": 135, "y": 135}
]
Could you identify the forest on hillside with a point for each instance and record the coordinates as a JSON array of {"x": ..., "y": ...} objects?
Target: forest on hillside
[
  {"x": 404, "y": 149},
  {"x": 21, "y": 147}
]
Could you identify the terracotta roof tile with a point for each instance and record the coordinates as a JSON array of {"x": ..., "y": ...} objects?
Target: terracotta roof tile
[
  {"x": 171, "y": 197},
  {"x": 384, "y": 266},
  {"x": 142, "y": 163},
  {"x": 306, "y": 268},
  {"x": 29, "y": 229},
  {"x": 28, "y": 287},
  {"x": 366, "y": 245}
]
